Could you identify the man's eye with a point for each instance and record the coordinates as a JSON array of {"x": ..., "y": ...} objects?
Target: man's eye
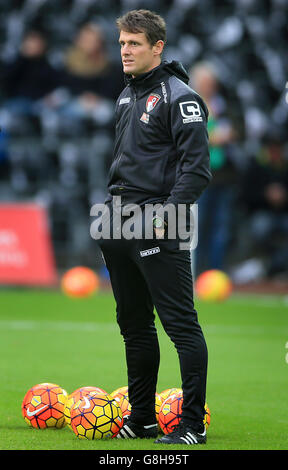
[{"x": 122, "y": 44}]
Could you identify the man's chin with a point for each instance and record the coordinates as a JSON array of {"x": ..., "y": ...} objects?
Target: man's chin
[{"x": 128, "y": 70}]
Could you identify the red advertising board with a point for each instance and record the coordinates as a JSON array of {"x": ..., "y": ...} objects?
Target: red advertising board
[{"x": 26, "y": 253}]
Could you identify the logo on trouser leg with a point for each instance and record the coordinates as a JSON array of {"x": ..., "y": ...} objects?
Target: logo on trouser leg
[{"x": 151, "y": 251}]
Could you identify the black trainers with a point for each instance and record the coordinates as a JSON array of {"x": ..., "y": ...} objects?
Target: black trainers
[
  {"x": 183, "y": 434},
  {"x": 132, "y": 430}
]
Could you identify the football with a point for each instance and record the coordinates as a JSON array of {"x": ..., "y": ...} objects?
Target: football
[
  {"x": 207, "y": 417},
  {"x": 76, "y": 396},
  {"x": 168, "y": 392},
  {"x": 170, "y": 412},
  {"x": 125, "y": 405},
  {"x": 158, "y": 403},
  {"x": 43, "y": 406},
  {"x": 96, "y": 417},
  {"x": 119, "y": 393},
  {"x": 80, "y": 282},
  {"x": 213, "y": 286}
]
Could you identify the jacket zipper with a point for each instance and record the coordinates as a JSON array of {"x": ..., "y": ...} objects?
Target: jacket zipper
[{"x": 118, "y": 160}]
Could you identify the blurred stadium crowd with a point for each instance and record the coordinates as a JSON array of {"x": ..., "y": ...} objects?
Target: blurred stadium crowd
[{"x": 61, "y": 74}]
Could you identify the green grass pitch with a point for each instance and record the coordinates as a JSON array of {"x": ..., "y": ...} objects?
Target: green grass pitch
[{"x": 47, "y": 337}]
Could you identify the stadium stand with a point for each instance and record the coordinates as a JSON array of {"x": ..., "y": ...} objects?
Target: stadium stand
[{"x": 60, "y": 76}]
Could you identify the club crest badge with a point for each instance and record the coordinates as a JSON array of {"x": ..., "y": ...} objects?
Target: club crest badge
[{"x": 151, "y": 102}]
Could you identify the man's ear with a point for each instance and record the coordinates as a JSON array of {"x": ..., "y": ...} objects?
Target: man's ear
[{"x": 158, "y": 47}]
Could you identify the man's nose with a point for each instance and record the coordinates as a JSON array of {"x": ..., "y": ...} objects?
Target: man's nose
[{"x": 125, "y": 49}]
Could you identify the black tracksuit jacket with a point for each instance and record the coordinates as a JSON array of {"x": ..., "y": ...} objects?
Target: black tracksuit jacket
[{"x": 161, "y": 145}]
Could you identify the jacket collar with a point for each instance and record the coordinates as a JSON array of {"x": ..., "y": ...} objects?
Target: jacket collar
[
  {"x": 148, "y": 80},
  {"x": 145, "y": 79}
]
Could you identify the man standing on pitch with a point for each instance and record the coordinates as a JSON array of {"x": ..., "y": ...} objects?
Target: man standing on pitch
[{"x": 160, "y": 156}]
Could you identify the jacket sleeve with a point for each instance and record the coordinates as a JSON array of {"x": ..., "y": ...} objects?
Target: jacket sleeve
[{"x": 188, "y": 124}]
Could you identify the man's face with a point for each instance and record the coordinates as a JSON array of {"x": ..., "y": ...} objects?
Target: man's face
[{"x": 138, "y": 56}]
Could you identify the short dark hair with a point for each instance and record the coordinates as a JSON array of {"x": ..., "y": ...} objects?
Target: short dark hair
[{"x": 143, "y": 21}]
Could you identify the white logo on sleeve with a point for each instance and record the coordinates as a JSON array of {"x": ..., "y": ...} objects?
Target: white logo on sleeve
[
  {"x": 125, "y": 100},
  {"x": 191, "y": 112}
]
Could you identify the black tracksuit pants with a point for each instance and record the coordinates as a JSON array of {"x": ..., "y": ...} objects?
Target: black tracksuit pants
[{"x": 161, "y": 278}]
